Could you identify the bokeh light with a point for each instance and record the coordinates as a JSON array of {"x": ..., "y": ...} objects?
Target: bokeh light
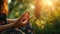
[
  {"x": 9, "y": 1},
  {"x": 32, "y": 6}
]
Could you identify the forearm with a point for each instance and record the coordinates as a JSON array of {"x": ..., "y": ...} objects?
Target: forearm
[
  {"x": 11, "y": 20},
  {"x": 3, "y": 27}
]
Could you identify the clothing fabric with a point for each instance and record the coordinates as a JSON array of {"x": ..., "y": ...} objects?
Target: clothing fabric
[{"x": 3, "y": 19}]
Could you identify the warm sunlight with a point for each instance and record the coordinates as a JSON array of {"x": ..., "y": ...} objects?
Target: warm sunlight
[{"x": 48, "y": 2}]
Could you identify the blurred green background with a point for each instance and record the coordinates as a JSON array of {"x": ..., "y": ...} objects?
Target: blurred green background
[{"x": 17, "y": 7}]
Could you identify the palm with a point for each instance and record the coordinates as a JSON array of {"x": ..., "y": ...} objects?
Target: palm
[{"x": 24, "y": 19}]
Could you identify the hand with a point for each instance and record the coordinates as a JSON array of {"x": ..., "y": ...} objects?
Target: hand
[{"x": 24, "y": 20}]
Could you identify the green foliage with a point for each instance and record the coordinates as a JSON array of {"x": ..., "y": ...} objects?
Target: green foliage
[{"x": 18, "y": 5}]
